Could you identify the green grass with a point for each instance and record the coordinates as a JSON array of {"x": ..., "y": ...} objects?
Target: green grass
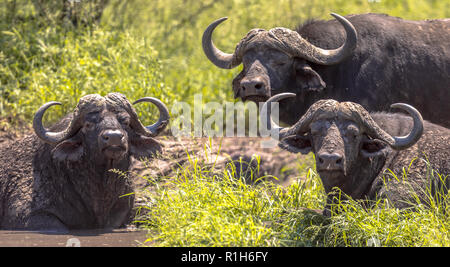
[
  {"x": 143, "y": 49},
  {"x": 206, "y": 206}
]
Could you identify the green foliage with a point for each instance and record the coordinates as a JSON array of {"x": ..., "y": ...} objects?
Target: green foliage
[
  {"x": 53, "y": 64},
  {"x": 202, "y": 206}
]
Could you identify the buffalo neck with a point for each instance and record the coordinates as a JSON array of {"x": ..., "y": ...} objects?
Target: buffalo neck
[
  {"x": 83, "y": 193},
  {"x": 362, "y": 178}
]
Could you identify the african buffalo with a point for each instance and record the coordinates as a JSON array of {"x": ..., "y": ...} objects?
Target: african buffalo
[
  {"x": 354, "y": 148},
  {"x": 371, "y": 59},
  {"x": 60, "y": 179}
]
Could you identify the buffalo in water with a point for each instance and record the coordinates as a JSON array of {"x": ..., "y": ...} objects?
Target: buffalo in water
[
  {"x": 60, "y": 179},
  {"x": 354, "y": 148},
  {"x": 371, "y": 59}
]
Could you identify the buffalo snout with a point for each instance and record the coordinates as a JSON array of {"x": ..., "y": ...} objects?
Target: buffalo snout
[
  {"x": 330, "y": 161},
  {"x": 112, "y": 137},
  {"x": 254, "y": 87},
  {"x": 255, "y": 83},
  {"x": 113, "y": 143}
]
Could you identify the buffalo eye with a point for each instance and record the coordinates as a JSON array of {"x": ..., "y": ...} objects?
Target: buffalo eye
[
  {"x": 279, "y": 63},
  {"x": 319, "y": 128},
  {"x": 372, "y": 147},
  {"x": 248, "y": 57},
  {"x": 124, "y": 121},
  {"x": 88, "y": 125},
  {"x": 352, "y": 132},
  {"x": 280, "y": 60}
]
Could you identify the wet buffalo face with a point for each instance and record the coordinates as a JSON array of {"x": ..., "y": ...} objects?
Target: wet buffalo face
[
  {"x": 337, "y": 143},
  {"x": 267, "y": 72},
  {"x": 276, "y": 60},
  {"x": 106, "y": 134},
  {"x": 103, "y": 130},
  {"x": 341, "y": 135},
  {"x": 264, "y": 70}
]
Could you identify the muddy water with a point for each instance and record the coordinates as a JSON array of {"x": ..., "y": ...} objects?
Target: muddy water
[{"x": 82, "y": 238}]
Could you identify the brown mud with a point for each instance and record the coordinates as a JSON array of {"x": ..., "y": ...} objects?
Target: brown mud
[
  {"x": 246, "y": 155},
  {"x": 80, "y": 238}
]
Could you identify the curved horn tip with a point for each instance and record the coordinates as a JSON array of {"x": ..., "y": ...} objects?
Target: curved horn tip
[
  {"x": 153, "y": 100},
  {"x": 410, "y": 109},
  {"x": 277, "y": 98},
  {"x": 289, "y": 94},
  {"x": 280, "y": 96},
  {"x": 143, "y": 99},
  {"x": 40, "y": 131},
  {"x": 44, "y": 107},
  {"x": 400, "y": 105},
  {"x": 343, "y": 21},
  {"x": 340, "y": 18},
  {"x": 335, "y": 56},
  {"x": 159, "y": 126},
  {"x": 215, "y": 23},
  {"x": 217, "y": 57},
  {"x": 52, "y": 103},
  {"x": 221, "y": 19},
  {"x": 417, "y": 131},
  {"x": 266, "y": 114},
  {"x": 336, "y": 15}
]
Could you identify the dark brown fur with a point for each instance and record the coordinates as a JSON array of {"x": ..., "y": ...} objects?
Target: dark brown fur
[
  {"x": 395, "y": 60},
  {"x": 69, "y": 185},
  {"x": 362, "y": 173}
]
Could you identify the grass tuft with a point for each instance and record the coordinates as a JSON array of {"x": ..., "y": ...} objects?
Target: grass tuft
[{"x": 205, "y": 206}]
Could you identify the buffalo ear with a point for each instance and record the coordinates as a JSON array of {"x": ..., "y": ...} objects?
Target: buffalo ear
[
  {"x": 296, "y": 144},
  {"x": 68, "y": 150},
  {"x": 372, "y": 147},
  {"x": 307, "y": 78},
  {"x": 143, "y": 146}
]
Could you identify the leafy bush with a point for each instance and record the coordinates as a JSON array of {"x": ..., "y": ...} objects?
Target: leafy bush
[{"x": 63, "y": 65}]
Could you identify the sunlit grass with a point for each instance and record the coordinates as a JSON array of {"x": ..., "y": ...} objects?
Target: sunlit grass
[
  {"x": 206, "y": 207},
  {"x": 200, "y": 206},
  {"x": 82, "y": 63}
]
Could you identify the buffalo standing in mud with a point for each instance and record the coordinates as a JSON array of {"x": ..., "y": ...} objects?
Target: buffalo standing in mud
[
  {"x": 60, "y": 179},
  {"x": 371, "y": 59},
  {"x": 353, "y": 149}
]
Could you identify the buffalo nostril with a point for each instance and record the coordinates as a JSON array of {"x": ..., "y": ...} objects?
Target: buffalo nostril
[
  {"x": 330, "y": 161},
  {"x": 253, "y": 86},
  {"x": 112, "y": 137}
]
